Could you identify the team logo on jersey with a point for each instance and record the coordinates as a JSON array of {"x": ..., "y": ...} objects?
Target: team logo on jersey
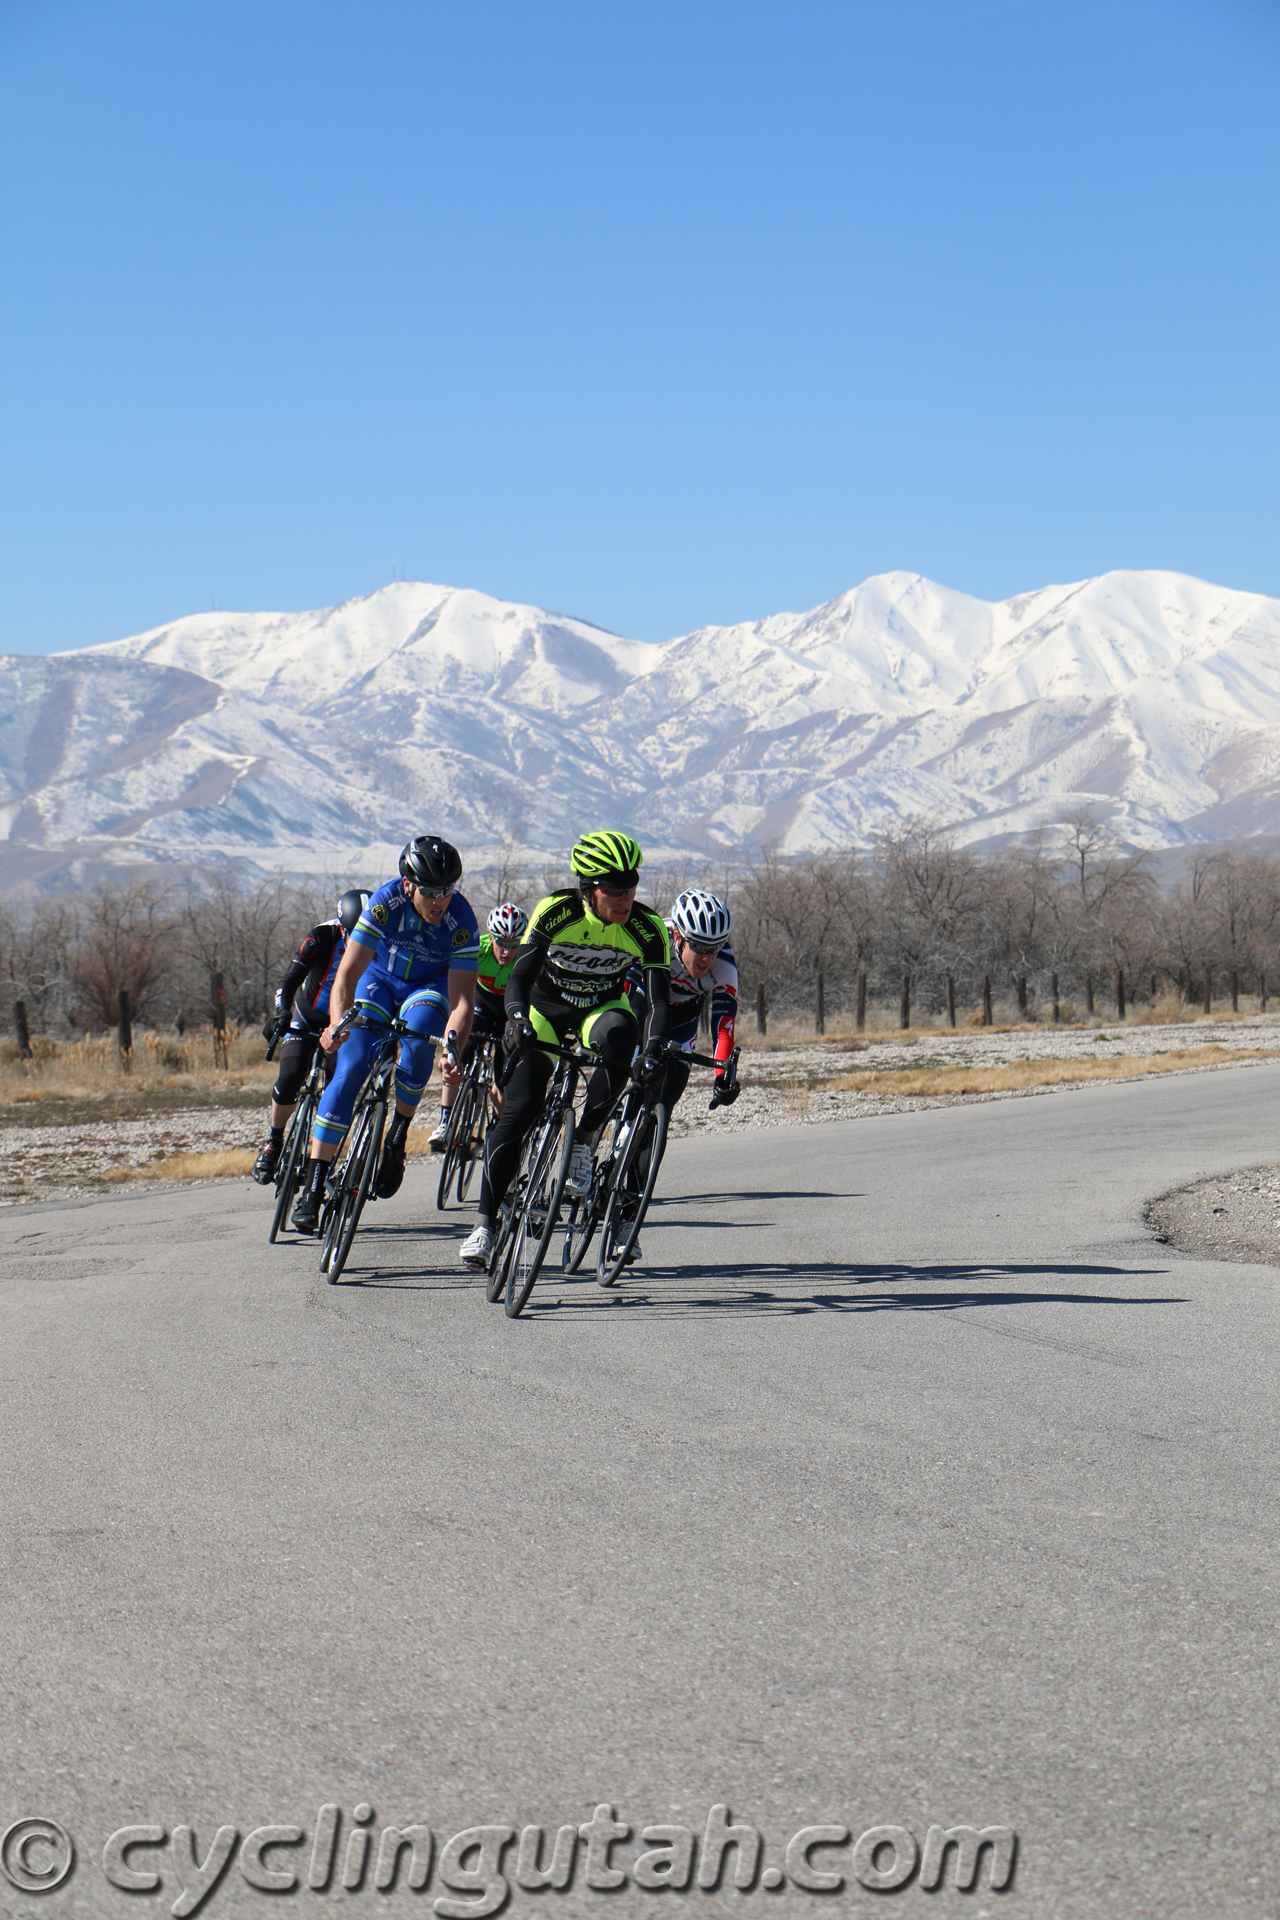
[
  {"x": 380, "y": 914},
  {"x": 460, "y": 937},
  {"x": 598, "y": 960}
]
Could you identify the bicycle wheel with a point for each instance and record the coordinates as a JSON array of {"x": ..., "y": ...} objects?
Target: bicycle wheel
[
  {"x": 534, "y": 1224},
  {"x": 295, "y": 1146},
  {"x": 458, "y": 1141},
  {"x": 480, "y": 1138},
  {"x": 356, "y": 1178},
  {"x": 629, "y": 1200}
]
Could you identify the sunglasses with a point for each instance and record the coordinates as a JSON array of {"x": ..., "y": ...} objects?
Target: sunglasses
[
  {"x": 696, "y": 946},
  {"x": 435, "y": 893},
  {"x": 617, "y": 893}
]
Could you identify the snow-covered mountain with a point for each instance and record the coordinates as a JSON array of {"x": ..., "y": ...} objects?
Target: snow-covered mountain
[{"x": 313, "y": 739}]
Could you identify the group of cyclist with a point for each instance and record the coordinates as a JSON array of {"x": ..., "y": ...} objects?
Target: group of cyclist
[{"x": 591, "y": 960}]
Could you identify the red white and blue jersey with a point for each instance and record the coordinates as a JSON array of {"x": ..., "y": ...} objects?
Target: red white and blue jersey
[
  {"x": 407, "y": 947},
  {"x": 688, "y": 997}
]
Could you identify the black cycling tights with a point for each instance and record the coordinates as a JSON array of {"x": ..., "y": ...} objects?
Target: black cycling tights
[
  {"x": 297, "y": 1051},
  {"x": 614, "y": 1036}
]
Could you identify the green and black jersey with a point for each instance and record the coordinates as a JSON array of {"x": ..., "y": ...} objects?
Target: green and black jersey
[{"x": 569, "y": 958}]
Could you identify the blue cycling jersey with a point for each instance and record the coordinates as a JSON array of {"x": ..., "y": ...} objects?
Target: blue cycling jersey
[{"x": 409, "y": 948}]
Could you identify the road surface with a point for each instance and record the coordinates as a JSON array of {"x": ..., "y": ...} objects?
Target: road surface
[{"x": 910, "y": 1484}]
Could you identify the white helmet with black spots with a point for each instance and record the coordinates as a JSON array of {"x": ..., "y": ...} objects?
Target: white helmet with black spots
[
  {"x": 508, "y": 923},
  {"x": 702, "y": 919}
]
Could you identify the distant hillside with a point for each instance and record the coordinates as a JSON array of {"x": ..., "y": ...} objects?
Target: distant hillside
[{"x": 312, "y": 739}]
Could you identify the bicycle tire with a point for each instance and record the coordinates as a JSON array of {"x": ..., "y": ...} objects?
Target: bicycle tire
[
  {"x": 291, "y": 1159},
  {"x": 467, "y": 1167},
  {"x": 356, "y": 1180},
  {"x": 456, "y": 1139},
  {"x": 618, "y": 1236},
  {"x": 544, "y": 1190}
]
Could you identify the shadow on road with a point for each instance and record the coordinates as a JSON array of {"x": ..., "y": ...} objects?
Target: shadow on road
[{"x": 770, "y": 1288}]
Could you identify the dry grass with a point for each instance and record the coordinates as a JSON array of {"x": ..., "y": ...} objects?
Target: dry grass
[
  {"x": 91, "y": 1070},
  {"x": 190, "y": 1166},
  {"x": 928, "y": 1082}
]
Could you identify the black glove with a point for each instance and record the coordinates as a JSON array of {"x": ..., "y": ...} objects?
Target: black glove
[
  {"x": 271, "y": 1027},
  {"x": 517, "y": 1033},
  {"x": 721, "y": 1095},
  {"x": 650, "y": 1065}
]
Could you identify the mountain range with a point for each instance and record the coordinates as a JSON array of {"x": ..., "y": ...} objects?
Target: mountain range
[{"x": 323, "y": 739}]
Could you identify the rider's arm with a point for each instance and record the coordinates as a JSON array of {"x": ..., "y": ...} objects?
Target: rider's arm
[
  {"x": 462, "y": 1004},
  {"x": 657, "y": 988},
  {"x": 524, "y": 973},
  {"x": 310, "y": 954},
  {"x": 342, "y": 994},
  {"x": 724, "y": 1007}
]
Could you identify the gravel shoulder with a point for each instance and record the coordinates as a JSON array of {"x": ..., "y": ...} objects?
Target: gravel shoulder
[
  {"x": 1234, "y": 1216},
  {"x": 785, "y": 1083}
]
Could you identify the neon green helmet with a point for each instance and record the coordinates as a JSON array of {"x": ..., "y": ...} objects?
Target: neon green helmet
[{"x": 606, "y": 856}]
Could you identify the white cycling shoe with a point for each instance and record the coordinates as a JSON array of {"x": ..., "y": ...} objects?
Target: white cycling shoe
[
  {"x": 477, "y": 1248},
  {"x": 579, "y": 1181},
  {"x": 436, "y": 1140}
]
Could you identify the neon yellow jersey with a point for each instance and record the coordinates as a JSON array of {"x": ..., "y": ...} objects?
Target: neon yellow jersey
[{"x": 587, "y": 959}]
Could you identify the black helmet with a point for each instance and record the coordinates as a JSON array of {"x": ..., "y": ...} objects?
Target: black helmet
[
  {"x": 351, "y": 906},
  {"x": 431, "y": 862}
]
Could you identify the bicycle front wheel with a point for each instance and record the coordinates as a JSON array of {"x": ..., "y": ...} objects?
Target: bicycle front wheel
[
  {"x": 295, "y": 1146},
  {"x": 458, "y": 1141},
  {"x": 533, "y": 1226},
  {"x": 356, "y": 1178},
  {"x": 629, "y": 1196}
]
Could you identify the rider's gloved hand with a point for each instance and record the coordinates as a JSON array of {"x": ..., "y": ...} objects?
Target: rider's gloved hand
[
  {"x": 650, "y": 1064},
  {"x": 517, "y": 1033},
  {"x": 271, "y": 1026},
  {"x": 721, "y": 1095}
]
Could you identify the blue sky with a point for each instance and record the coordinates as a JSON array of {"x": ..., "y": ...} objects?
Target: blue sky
[{"x": 657, "y": 314}]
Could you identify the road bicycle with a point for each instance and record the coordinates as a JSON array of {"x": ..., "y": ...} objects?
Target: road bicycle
[
  {"x": 531, "y": 1206},
  {"x": 352, "y": 1174},
  {"x": 470, "y": 1119},
  {"x": 293, "y": 1150},
  {"x": 625, "y": 1169}
]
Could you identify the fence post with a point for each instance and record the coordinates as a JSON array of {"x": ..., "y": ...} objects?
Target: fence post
[
  {"x": 1235, "y": 991},
  {"x": 1208, "y": 990},
  {"x": 218, "y": 996},
  {"x": 986, "y": 999},
  {"x": 951, "y": 1001},
  {"x": 126, "y": 1029},
  {"x": 1088, "y": 993},
  {"x": 904, "y": 1020},
  {"x": 860, "y": 1017},
  {"x": 1262, "y": 993},
  {"x": 1120, "y": 993},
  {"x": 1022, "y": 995},
  {"x": 762, "y": 1024},
  {"x": 21, "y": 1029},
  {"x": 1053, "y": 982},
  {"x": 1182, "y": 984},
  {"x": 819, "y": 1008}
]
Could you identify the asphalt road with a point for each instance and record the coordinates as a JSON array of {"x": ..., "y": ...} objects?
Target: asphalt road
[{"x": 909, "y": 1484}]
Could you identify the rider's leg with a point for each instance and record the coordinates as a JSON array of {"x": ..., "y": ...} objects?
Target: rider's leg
[
  {"x": 426, "y": 1011},
  {"x": 614, "y": 1033},
  {"x": 296, "y": 1053},
  {"x": 524, "y": 1094}
]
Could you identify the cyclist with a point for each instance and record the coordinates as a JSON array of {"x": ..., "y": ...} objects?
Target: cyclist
[
  {"x": 580, "y": 944},
  {"x": 702, "y": 969},
  {"x": 300, "y": 1013},
  {"x": 499, "y": 949},
  {"x": 412, "y": 953}
]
